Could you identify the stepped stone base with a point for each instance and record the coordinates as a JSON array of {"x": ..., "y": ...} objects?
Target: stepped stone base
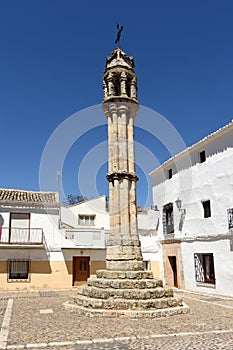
[{"x": 125, "y": 294}]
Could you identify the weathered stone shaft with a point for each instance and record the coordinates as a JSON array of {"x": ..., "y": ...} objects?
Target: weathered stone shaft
[{"x": 123, "y": 246}]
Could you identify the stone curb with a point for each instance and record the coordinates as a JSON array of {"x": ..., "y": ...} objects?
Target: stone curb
[{"x": 111, "y": 340}]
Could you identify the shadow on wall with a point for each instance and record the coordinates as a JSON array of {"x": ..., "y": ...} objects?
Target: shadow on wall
[
  {"x": 41, "y": 266},
  {"x": 181, "y": 223},
  {"x": 68, "y": 259}
]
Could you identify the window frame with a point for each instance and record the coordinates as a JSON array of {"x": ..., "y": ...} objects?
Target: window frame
[
  {"x": 200, "y": 267},
  {"x": 18, "y": 278},
  {"x": 170, "y": 173},
  {"x": 85, "y": 221},
  {"x": 206, "y": 208},
  {"x": 230, "y": 218},
  {"x": 168, "y": 216},
  {"x": 202, "y": 156}
]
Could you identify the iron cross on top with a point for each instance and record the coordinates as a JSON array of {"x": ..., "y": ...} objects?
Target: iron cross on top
[{"x": 118, "y": 38}]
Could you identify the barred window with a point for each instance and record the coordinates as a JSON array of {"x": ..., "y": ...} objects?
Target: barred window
[
  {"x": 204, "y": 267},
  {"x": 18, "y": 270}
]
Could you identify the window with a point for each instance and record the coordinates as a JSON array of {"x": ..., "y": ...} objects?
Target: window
[
  {"x": 18, "y": 270},
  {"x": 168, "y": 221},
  {"x": 230, "y": 218},
  {"x": 170, "y": 173},
  {"x": 204, "y": 268},
  {"x": 20, "y": 220},
  {"x": 202, "y": 157},
  {"x": 86, "y": 220},
  {"x": 206, "y": 207}
]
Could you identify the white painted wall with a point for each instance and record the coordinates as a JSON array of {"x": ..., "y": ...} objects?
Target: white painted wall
[
  {"x": 25, "y": 253},
  {"x": 147, "y": 228},
  {"x": 97, "y": 206},
  {"x": 95, "y": 254},
  {"x": 211, "y": 180},
  {"x": 194, "y": 182},
  {"x": 84, "y": 238},
  {"x": 48, "y": 221},
  {"x": 147, "y": 220},
  {"x": 223, "y": 260},
  {"x": 50, "y": 224},
  {"x": 217, "y": 142}
]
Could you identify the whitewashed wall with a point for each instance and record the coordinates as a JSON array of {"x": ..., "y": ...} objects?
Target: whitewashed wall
[
  {"x": 97, "y": 206},
  {"x": 211, "y": 180},
  {"x": 194, "y": 182},
  {"x": 223, "y": 260},
  {"x": 47, "y": 220}
]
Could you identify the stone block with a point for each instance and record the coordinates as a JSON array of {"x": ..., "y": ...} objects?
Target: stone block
[{"x": 126, "y": 294}]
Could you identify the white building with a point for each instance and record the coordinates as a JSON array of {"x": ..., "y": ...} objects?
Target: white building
[
  {"x": 86, "y": 228},
  {"x": 194, "y": 194},
  {"x": 45, "y": 246},
  {"x": 29, "y": 239}
]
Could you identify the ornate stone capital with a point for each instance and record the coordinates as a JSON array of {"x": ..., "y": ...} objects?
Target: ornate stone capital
[
  {"x": 123, "y": 109},
  {"x": 122, "y": 175}
]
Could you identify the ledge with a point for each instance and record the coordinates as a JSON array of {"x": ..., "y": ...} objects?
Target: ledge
[{"x": 206, "y": 285}]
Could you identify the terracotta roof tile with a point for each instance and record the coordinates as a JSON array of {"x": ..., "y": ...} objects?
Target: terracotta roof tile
[{"x": 28, "y": 196}]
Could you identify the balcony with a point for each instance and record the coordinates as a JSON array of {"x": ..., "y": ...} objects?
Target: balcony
[
  {"x": 21, "y": 236},
  {"x": 89, "y": 238}
]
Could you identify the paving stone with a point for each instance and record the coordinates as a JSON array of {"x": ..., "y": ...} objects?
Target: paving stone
[{"x": 209, "y": 325}]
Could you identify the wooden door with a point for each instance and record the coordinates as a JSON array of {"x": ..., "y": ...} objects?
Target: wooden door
[
  {"x": 172, "y": 260},
  {"x": 81, "y": 269}
]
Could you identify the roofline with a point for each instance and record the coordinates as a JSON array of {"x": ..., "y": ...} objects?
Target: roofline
[
  {"x": 85, "y": 201},
  {"x": 191, "y": 148},
  {"x": 24, "y": 204},
  {"x": 30, "y": 191}
]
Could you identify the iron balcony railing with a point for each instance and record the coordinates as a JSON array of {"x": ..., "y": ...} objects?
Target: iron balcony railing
[{"x": 14, "y": 235}]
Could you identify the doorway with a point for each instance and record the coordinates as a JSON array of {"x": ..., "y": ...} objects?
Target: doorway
[
  {"x": 81, "y": 269},
  {"x": 172, "y": 260}
]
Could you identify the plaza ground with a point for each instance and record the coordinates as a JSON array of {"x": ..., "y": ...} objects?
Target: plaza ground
[{"x": 38, "y": 320}]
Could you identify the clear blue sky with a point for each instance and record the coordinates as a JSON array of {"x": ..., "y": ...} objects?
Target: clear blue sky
[{"x": 53, "y": 57}]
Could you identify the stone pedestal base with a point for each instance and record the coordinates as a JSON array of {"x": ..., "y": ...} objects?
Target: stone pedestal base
[{"x": 126, "y": 294}]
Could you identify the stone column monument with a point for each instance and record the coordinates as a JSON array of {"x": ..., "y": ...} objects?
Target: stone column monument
[
  {"x": 124, "y": 288},
  {"x": 120, "y": 106}
]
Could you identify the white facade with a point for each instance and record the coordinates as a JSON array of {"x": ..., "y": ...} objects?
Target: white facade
[
  {"x": 24, "y": 221},
  {"x": 40, "y": 251},
  {"x": 97, "y": 207},
  {"x": 94, "y": 234},
  {"x": 85, "y": 225},
  {"x": 201, "y": 180},
  {"x": 148, "y": 235},
  {"x": 29, "y": 238}
]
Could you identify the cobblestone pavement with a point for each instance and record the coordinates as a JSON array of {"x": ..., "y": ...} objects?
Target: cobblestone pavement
[{"x": 38, "y": 320}]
